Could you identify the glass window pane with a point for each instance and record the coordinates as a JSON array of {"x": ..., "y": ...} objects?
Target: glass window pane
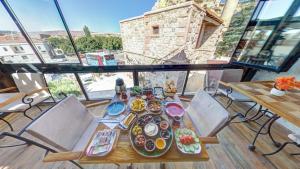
[
  {"x": 13, "y": 46},
  {"x": 44, "y": 25},
  {"x": 159, "y": 79},
  {"x": 195, "y": 82},
  {"x": 65, "y": 83},
  {"x": 102, "y": 85}
]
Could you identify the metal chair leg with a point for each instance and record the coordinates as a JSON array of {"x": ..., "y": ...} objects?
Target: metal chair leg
[
  {"x": 27, "y": 115},
  {"x": 277, "y": 144},
  {"x": 10, "y": 126},
  {"x": 295, "y": 154},
  {"x": 229, "y": 103},
  {"x": 251, "y": 147},
  {"x": 39, "y": 108},
  {"x": 279, "y": 149}
]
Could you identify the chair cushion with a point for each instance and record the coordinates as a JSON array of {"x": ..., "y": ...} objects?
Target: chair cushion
[
  {"x": 235, "y": 96},
  {"x": 27, "y": 82},
  {"x": 84, "y": 139},
  {"x": 63, "y": 125},
  {"x": 18, "y": 105},
  {"x": 295, "y": 138},
  {"x": 208, "y": 116}
]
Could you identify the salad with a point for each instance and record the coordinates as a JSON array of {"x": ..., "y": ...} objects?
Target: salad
[{"x": 187, "y": 141}]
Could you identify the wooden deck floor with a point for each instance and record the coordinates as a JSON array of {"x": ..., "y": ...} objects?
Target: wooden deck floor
[{"x": 231, "y": 153}]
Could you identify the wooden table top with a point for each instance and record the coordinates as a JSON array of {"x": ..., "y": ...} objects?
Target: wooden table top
[
  {"x": 287, "y": 106},
  {"x": 124, "y": 153}
]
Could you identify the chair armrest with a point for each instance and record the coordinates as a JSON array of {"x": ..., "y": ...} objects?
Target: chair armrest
[
  {"x": 7, "y": 89},
  {"x": 209, "y": 140},
  {"x": 37, "y": 91},
  {"x": 62, "y": 156},
  {"x": 185, "y": 99},
  {"x": 97, "y": 103},
  {"x": 224, "y": 83}
]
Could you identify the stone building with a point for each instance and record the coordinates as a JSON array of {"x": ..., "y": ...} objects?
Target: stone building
[{"x": 185, "y": 31}]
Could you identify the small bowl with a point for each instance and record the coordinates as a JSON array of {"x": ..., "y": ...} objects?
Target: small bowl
[
  {"x": 153, "y": 132},
  {"x": 164, "y": 125},
  {"x": 147, "y": 148},
  {"x": 137, "y": 140},
  {"x": 165, "y": 134},
  {"x": 160, "y": 143},
  {"x": 157, "y": 120}
]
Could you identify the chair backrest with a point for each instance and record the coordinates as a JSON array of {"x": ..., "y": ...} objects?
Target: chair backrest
[
  {"x": 212, "y": 79},
  {"x": 208, "y": 116},
  {"x": 232, "y": 75},
  {"x": 62, "y": 125},
  {"x": 27, "y": 82}
]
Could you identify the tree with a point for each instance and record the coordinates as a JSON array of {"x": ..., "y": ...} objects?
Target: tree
[
  {"x": 61, "y": 43},
  {"x": 86, "y": 31},
  {"x": 87, "y": 44}
]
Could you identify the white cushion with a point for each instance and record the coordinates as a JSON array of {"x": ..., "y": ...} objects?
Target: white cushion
[
  {"x": 207, "y": 114},
  {"x": 84, "y": 139},
  {"x": 235, "y": 96},
  {"x": 63, "y": 125},
  {"x": 295, "y": 138},
  {"x": 18, "y": 105},
  {"x": 28, "y": 82}
]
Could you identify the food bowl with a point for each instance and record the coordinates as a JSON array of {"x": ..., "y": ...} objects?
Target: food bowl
[
  {"x": 160, "y": 143},
  {"x": 140, "y": 140},
  {"x": 151, "y": 129},
  {"x": 149, "y": 145},
  {"x": 164, "y": 125},
  {"x": 137, "y": 105},
  {"x": 156, "y": 120},
  {"x": 154, "y": 106},
  {"x": 165, "y": 134}
]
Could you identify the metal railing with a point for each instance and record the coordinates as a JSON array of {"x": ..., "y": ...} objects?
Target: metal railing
[{"x": 77, "y": 69}]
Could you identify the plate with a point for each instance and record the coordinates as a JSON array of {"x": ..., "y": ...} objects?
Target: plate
[
  {"x": 192, "y": 143},
  {"x": 138, "y": 105},
  {"x": 154, "y": 106},
  {"x": 115, "y": 108},
  {"x": 137, "y": 130},
  {"x": 174, "y": 109}
]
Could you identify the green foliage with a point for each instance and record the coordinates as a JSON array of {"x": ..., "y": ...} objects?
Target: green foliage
[
  {"x": 235, "y": 30},
  {"x": 68, "y": 86},
  {"x": 86, "y": 31},
  {"x": 61, "y": 43}
]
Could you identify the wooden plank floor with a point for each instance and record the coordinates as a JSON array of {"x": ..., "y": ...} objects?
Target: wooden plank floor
[{"x": 231, "y": 153}]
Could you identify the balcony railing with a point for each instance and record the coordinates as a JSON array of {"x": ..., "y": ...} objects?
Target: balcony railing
[{"x": 136, "y": 75}]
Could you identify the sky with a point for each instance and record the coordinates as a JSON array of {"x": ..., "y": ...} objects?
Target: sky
[{"x": 99, "y": 15}]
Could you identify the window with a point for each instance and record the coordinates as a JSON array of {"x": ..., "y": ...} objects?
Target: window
[
  {"x": 45, "y": 29},
  {"x": 39, "y": 47},
  {"x": 21, "y": 48},
  {"x": 272, "y": 36},
  {"x": 24, "y": 57},
  {"x": 155, "y": 30},
  {"x": 11, "y": 38}
]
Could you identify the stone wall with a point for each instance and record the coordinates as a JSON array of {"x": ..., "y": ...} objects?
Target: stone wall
[{"x": 179, "y": 28}]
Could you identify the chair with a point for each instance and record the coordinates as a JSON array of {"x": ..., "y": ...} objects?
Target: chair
[
  {"x": 30, "y": 82},
  {"x": 50, "y": 127},
  {"x": 295, "y": 141},
  {"x": 207, "y": 114},
  {"x": 216, "y": 84},
  {"x": 17, "y": 102}
]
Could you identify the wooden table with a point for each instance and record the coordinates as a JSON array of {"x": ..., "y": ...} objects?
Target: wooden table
[
  {"x": 124, "y": 153},
  {"x": 287, "y": 106}
]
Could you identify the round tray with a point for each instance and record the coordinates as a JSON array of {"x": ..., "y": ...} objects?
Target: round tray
[
  {"x": 115, "y": 108},
  {"x": 157, "y": 111},
  {"x": 156, "y": 152}
]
